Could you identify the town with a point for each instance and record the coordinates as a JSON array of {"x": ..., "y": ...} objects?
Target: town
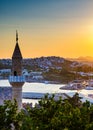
[{"x": 49, "y": 69}]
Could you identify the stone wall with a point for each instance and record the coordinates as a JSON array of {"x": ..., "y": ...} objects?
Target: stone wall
[{"x": 5, "y": 94}]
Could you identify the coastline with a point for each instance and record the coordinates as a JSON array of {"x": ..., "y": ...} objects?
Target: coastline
[{"x": 35, "y": 91}]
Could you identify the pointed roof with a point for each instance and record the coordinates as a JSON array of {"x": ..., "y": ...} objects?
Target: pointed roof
[{"x": 17, "y": 52}]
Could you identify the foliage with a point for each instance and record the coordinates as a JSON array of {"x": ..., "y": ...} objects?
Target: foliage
[
  {"x": 49, "y": 114},
  {"x": 84, "y": 68},
  {"x": 61, "y": 76},
  {"x": 9, "y": 116},
  {"x": 67, "y": 114}
]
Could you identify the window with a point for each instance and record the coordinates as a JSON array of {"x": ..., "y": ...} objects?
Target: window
[{"x": 15, "y": 73}]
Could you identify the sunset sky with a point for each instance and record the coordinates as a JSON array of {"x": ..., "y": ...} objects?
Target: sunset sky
[{"x": 47, "y": 27}]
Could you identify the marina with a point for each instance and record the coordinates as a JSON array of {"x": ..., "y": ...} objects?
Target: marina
[{"x": 32, "y": 92}]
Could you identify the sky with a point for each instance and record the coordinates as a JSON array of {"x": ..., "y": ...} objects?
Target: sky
[{"x": 47, "y": 27}]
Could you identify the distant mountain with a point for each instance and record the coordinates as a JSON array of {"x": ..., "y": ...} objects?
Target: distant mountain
[
  {"x": 87, "y": 58},
  {"x": 82, "y": 59}
]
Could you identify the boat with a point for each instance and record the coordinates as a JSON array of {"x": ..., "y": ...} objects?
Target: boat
[{"x": 75, "y": 85}]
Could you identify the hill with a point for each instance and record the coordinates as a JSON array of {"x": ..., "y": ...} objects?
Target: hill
[
  {"x": 54, "y": 69},
  {"x": 82, "y": 59}
]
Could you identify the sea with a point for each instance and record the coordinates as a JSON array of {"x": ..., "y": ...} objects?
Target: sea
[{"x": 33, "y": 92}]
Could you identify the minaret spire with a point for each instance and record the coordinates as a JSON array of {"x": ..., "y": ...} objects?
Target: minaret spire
[
  {"x": 17, "y": 52},
  {"x": 16, "y": 36},
  {"x": 16, "y": 78}
]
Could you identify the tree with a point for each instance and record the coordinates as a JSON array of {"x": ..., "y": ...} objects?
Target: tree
[
  {"x": 9, "y": 116},
  {"x": 49, "y": 114}
]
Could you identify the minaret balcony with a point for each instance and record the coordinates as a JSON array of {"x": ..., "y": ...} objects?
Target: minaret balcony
[{"x": 18, "y": 79}]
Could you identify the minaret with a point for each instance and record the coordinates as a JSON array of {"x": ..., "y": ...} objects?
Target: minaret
[{"x": 16, "y": 79}]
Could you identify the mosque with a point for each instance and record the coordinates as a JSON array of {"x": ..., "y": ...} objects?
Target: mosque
[{"x": 16, "y": 79}]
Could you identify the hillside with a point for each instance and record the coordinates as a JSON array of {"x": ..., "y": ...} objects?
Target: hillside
[
  {"x": 82, "y": 59},
  {"x": 54, "y": 69},
  {"x": 46, "y": 62}
]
